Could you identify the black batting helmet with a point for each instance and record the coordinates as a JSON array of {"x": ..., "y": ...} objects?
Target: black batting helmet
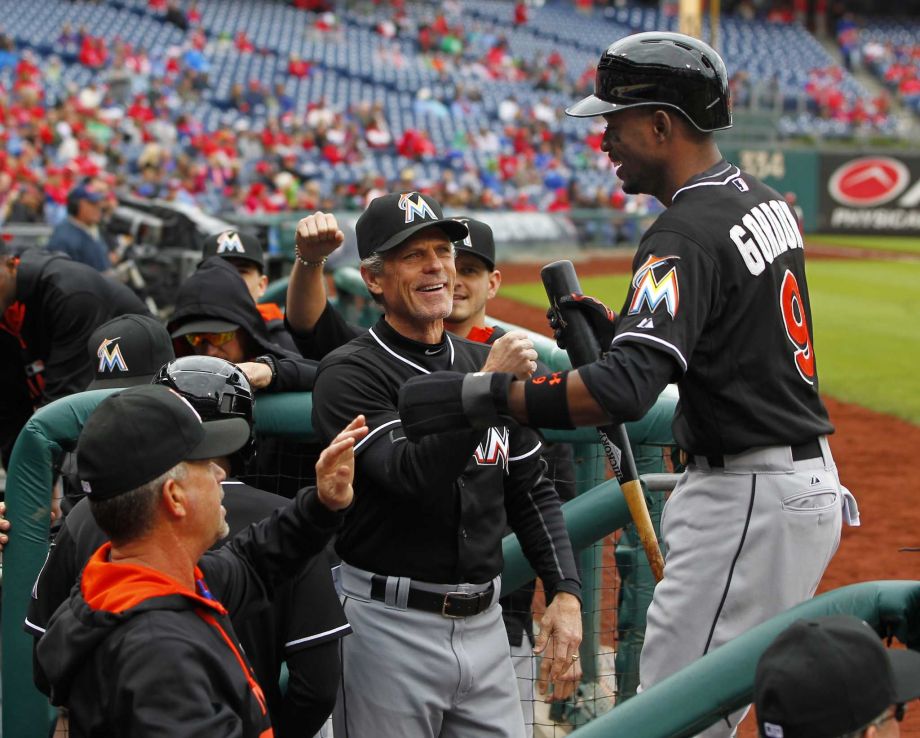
[
  {"x": 658, "y": 68},
  {"x": 216, "y": 388}
]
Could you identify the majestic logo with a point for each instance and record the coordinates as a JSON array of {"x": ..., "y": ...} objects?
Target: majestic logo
[
  {"x": 868, "y": 181},
  {"x": 418, "y": 207},
  {"x": 772, "y": 730},
  {"x": 230, "y": 242},
  {"x": 110, "y": 357},
  {"x": 493, "y": 450},
  {"x": 652, "y": 291}
]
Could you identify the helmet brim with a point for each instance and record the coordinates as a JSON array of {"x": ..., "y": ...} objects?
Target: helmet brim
[{"x": 591, "y": 106}]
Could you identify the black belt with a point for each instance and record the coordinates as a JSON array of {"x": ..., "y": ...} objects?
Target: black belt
[
  {"x": 449, "y": 604},
  {"x": 808, "y": 450}
]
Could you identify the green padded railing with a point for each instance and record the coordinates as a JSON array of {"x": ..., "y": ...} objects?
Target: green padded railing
[
  {"x": 54, "y": 429},
  {"x": 722, "y": 681}
]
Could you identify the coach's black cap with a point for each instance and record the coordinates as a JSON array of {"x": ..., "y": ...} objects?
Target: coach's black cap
[
  {"x": 392, "y": 219},
  {"x": 135, "y": 435},
  {"x": 233, "y": 245},
  {"x": 128, "y": 350},
  {"x": 480, "y": 241},
  {"x": 830, "y": 676}
]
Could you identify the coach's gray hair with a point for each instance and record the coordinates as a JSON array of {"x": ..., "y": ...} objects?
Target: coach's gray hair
[{"x": 130, "y": 515}]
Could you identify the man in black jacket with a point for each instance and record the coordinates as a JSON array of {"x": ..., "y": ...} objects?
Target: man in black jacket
[
  {"x": 49, "y": 306},
  {"x": 305, "y": 620},
  {"x": 145, "y": 644},
  {"x": 215, "y": 316}
]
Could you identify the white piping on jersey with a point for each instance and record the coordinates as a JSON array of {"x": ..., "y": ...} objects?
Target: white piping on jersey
[
  {"x": 379, "y": 428},
  {"x": 646, "y": 337},
  {"x": 315, "y": 636},
  {"x": 34, "y": 627},
  {"x": 529, "y": 453},
  {"x": 711, "y": 184},
  {"x": 230, "y": 481},
  {"x": 403, "y": 359},
  {"x": 552, "y": 543}
]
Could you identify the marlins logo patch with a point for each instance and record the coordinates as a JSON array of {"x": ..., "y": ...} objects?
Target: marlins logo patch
[
  {"x": 493, "y": 450},
  {"x": 653, "y": 290},
  {"x": 229, "y": 242},
  {"x": 416, "y": 206},
  {"x": 110, "y": 357}
]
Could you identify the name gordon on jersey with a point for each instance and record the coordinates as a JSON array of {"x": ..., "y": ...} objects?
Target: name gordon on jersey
[{"x": 767, "y": 230}]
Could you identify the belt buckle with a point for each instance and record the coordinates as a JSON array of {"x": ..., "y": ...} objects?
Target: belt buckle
[{"x": 466, "y": 597}]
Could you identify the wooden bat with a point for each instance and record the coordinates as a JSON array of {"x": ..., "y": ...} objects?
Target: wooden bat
[{"x": 559, "y": 279}]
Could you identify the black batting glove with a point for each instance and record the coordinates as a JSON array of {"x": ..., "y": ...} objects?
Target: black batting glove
[
  {"x": 601, "y": 319},
  {"x": 451, "y": 401}
]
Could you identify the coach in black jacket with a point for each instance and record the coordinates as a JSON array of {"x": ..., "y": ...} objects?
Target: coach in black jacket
[
  {"x": 49, "y": 306},
  {"x": 145, "y": 643}
]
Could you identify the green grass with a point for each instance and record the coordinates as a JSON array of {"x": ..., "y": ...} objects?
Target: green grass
[
  {"x": 866, "y": 330},
  {"x": 902, "y": 244}
]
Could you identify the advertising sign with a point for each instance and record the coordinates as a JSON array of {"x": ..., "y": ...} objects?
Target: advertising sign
[{"x": 877, "y": 193}]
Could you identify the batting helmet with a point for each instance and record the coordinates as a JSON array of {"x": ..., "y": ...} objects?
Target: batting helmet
[
  {"x": 216, "y": 388},
  {"x": 658, "y": 68}
]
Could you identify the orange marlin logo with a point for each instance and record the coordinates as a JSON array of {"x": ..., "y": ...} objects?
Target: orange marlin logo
[
  {"x": 110, "y": 358},
  {"x": 651, "y": 291},
  {"x": 418, "y": 207}
]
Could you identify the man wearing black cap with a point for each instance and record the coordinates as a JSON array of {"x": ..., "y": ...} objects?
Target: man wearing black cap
[
  {"x": 145, "y": 644},
  {"x": 78, "y": 236},
  {"x": 305, "y": 620},
  {"x": 421, "y": 549},
  {"x": 49, "y": 306},
  {"x": 244, "y": 252},
  {"x": 831, "y": 677}
]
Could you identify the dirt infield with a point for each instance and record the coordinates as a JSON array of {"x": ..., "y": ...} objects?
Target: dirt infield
[{"x": 873, "y": 453}]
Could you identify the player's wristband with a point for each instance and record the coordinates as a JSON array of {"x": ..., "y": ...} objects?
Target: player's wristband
[{"x": 547, "y": 402}]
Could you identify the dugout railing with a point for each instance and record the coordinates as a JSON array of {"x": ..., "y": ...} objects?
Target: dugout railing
[{"x": 596, "y": 513}]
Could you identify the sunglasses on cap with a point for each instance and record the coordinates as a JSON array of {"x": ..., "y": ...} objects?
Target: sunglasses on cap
[{"x": 215, "y": 339}]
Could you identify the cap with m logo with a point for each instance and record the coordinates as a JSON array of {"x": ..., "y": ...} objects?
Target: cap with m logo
[{"x": 392, "y": 219}]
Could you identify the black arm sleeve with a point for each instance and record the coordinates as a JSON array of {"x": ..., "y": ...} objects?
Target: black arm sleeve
[
  {"x": 385, "y": 459},
  {"x": 330, "y": 332},
  {"x": 245, "y": 571},
  {"x": 535, "y": 514},
  {"x": 294, "y": 375},
  {"x": 629, "y": 379},
  {"x": 311, "y": 691}
]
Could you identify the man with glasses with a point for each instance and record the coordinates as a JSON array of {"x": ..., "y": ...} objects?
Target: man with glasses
[
  {"x": 216, "y": 316},
  {"x": 831, "y": 677}
]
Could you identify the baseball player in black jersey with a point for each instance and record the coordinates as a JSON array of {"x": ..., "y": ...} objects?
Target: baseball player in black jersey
[
  {"x": 305, "y": 619},
  {"x": 718, "y": 304},
  {"x": 421, "y": 548}
]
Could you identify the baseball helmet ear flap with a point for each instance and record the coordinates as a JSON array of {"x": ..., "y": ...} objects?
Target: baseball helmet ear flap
[
  {"x": 661, "y": 69},
  {"x": 217, "y": 389}
]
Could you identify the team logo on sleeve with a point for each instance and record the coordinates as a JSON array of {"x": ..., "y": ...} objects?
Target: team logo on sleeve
[
  {"x": 417, "y": 206},
  {"x": 654, "y": 283},
  {"x": 229, "y": 242},
  {"x": 493, "y": 449},
  {"x": 110, "y": 358}
]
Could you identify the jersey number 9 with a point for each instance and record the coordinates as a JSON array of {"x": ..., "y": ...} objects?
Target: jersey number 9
[{"x": 790, "y": 300}]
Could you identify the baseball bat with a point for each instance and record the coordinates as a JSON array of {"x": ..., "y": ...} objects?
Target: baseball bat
[{"x": 559, "y": 279}]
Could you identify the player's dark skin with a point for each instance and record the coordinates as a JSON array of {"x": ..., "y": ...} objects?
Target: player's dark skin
[{"x": 656, "y": 151}]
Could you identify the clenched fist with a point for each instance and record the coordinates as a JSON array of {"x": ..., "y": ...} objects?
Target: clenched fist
[
  {"x": 318, "y": 235},
  {"x": 513, "y": 353}
]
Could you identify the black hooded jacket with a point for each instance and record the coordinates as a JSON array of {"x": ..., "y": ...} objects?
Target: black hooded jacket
[
  {"x": 43, "y": 356},
  {"x": 216, "y": 290},
  {"x": 133, "y": 652}
]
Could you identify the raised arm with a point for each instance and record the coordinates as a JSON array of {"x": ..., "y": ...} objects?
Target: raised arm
[{"x": 318, "y": 235}]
